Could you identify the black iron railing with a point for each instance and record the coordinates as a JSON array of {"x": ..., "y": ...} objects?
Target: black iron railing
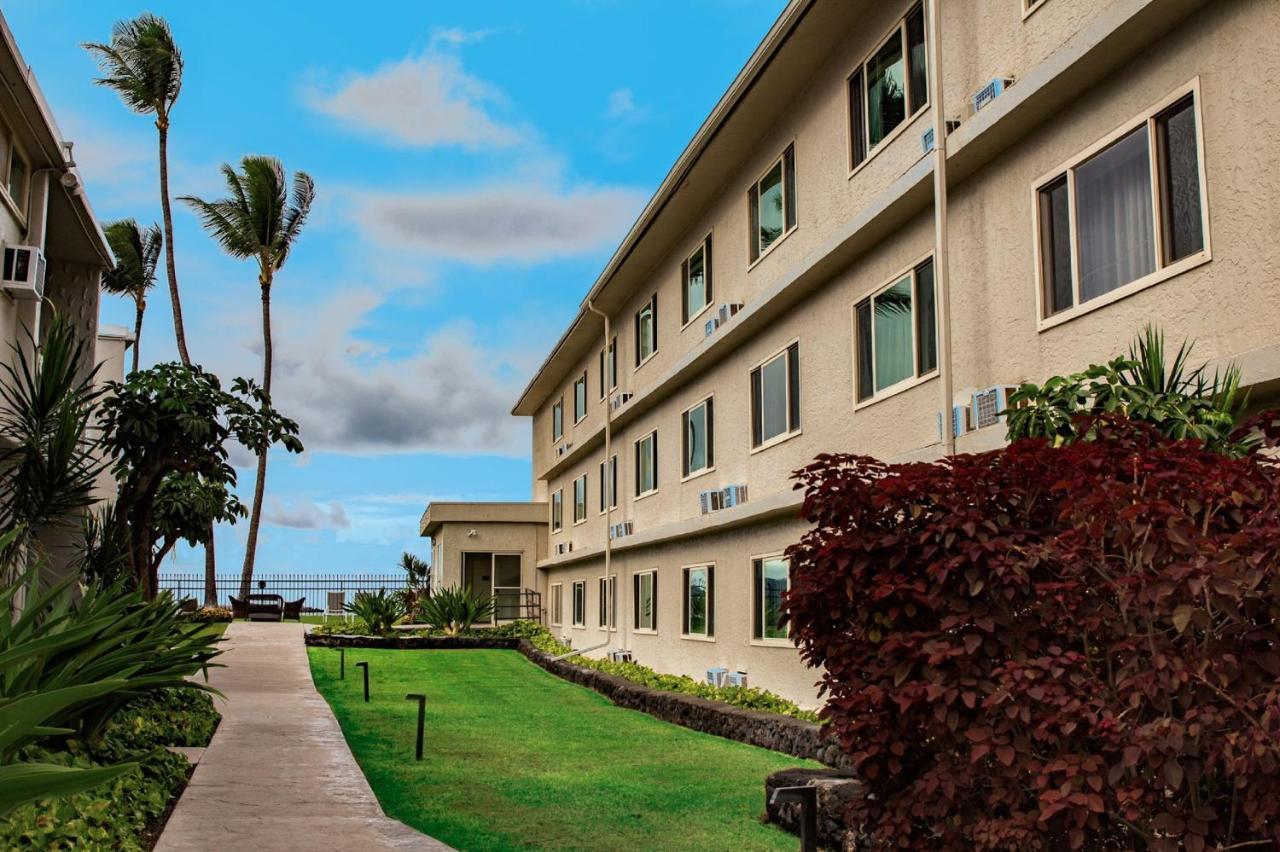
[{"x": 314, "y": 588}]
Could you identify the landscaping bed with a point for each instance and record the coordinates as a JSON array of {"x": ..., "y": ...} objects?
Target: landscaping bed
[{"x": 518, "y": 759}]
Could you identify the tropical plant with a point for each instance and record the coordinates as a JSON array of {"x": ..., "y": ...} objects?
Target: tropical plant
[
  {"x": 261, "y": 219},
  {"x": 137, "y": 251},
  {"x": 454, "y": 609},
  {"x": 48, "y": 464},
  {"x": 187, "y": 506},
  {"x": 143, "y": 65},
  {"x": 378, "y": 610},
  {"x": 417, "y": 569},
  {"x": 171, "y": 419},
  {"x": 1181, "y": 402}
]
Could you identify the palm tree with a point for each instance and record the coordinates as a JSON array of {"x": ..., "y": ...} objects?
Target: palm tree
[
  {"x": 261, "y": 219},
  {"x": 137, "y": 251},
  {"x": 142, "y": 63}
]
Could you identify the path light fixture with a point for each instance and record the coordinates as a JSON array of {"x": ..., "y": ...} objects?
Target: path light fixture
[
  {"x": 342, "y": 664},
  {"x": 365, "y": 666},
  {"x": 807, "y": 798},
  {"x": 422, "y": 717}
]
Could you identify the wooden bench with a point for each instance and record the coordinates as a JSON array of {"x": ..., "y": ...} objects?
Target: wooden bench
[{"x": 265, "y": 607}]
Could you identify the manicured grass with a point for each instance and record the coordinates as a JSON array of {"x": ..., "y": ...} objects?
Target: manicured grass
[
  {"x": 518, "y": 759},
  {"x": 216, "y": 628}
]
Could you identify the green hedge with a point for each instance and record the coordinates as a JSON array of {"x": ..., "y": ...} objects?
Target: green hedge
[{"x": 121, "y": 815}]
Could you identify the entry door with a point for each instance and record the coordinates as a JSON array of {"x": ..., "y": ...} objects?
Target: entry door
[
  {"x": 477, "y": 573},
  {"x": 506, "y": 586}
]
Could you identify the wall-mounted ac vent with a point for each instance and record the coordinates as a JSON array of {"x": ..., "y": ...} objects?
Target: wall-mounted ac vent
[
  {"x": 733, "y": 495},
  {"x": 717, "y": 677},
  {"x": 621, "y": 657},
  {"x": 563, "y": 449},
  {"x": 989, "y": 405},
  {"x": 738, "y": 679},
  {"x": 564, "y": 547},
  {"x": 961, "y": 421},
  {"x": 990, "y": 92},
  {"x": 23, "y": 274},
  {"x": 621, "y": 530},
  {"x": 723, "y": 314},
  {"x": 710, "y": 501},
  {"x": 710, "y": 327},
  {"x": 620, "y": 400},
  {"x": 926, "y": 138}
]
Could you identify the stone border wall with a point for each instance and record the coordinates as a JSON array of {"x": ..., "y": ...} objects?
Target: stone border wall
[{"x": 773, "y": 731}]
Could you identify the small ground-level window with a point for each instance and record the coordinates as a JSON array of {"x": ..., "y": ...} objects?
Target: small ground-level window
[
  {"x": 646, "y": 600},
  {"x": 772, "y": 579},
  {"x": 608, "y": 615},
  {"x": 579, "y": 603},
  {"x": 557, "y": 603},
  {"x": 775, "y": 396},
  {"x": 700, "y": 601},
  {"x": 896, "y": 333}
]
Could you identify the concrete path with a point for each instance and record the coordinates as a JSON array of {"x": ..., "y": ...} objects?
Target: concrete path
[{"x": 278, "y": 774}]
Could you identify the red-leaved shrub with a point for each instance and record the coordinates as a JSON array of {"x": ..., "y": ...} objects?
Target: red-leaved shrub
[{"x": 1050, "y": 648}]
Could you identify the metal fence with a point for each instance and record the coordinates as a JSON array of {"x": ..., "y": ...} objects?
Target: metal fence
[{"x": 313, "y": 587}]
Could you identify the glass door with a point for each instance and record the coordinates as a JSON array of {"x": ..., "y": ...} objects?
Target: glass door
[{"x": 506, "y": 586}]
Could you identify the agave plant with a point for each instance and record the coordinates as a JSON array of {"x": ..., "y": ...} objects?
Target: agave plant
[
  {"x": 454, "y": 609},
  {"x": 380, "y": 610}
]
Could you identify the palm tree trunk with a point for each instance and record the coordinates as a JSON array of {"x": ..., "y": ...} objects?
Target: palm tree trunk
[
  {"x": 255, "y": 514},
  {"x": 210, "y": 571},
  {"x": 137, "y": 331},
  {"x": 179, "y": 333}
]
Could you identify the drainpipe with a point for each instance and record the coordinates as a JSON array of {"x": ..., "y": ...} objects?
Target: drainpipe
[
  {"x": 941, "y": 264},
  {"x": 613, "y": 486}
]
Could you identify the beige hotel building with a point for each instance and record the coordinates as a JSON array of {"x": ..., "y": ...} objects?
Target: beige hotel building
[{"x": 888, "y": 219}]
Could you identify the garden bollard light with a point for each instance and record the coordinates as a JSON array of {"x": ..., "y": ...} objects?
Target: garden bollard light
[
  {"x": 342, "y": 664},
  {"x": 807, "y": 797},
  {"x": 365, "y": 666},
  {"x": 422, "y": 717}
]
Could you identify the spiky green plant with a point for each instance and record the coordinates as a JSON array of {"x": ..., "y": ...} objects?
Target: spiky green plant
[
  {"x": 379, "y": 610},
  {"x": 455, "y": 609}
]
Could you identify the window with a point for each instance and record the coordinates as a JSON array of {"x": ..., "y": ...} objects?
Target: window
[
  {"x": 608, "y": 615},
  {"x": 580, "y": 499},
  {"x": 772, "y": 579},
  {"x": 557, "y": 603},
  {"x": 609, "y": 368},
  {"x": 18, "y": 178},
  {"x": 557, "y": 511},
  {"x": 647, "y": 330},
  {"x": 695, "y": 275},
  {"x": 775, "y": 397},
  {"x": 1029, "y": 6},
  {"x": 771, "y": 204},
  {"x": 889, "y": 88},
  {"x": 700, "y": 601},
  {"x": 580, "y": 398},
  {"x": 609, "y": 484},
  {"x": 1110, "y": 219},
  {"x": 699, "y": 447},
  {"x": 646, "y": 600},
  {"x": 579, "y": 603},
  {"x": 896, "y": 333},
  {"x": 557, "y": 421},
  {"x": 647, "y": 464}
]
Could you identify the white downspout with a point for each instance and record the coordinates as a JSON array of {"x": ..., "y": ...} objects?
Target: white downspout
[
  {"x": 615, "y": 605},
  {"x": 941, "y": 263}
]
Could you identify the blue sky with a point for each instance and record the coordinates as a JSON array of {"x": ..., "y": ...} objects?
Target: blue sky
[{"x": 475, "y": 163}]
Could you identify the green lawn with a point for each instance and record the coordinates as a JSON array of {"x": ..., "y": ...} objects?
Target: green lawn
[{"x": 518, "y": 759}]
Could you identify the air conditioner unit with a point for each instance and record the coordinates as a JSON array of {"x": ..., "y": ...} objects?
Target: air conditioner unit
[
  {"x": 710, "y": 501},
  {"x": 621, "y": 657},
  {"x": 619, "y": 401},
  {"x": 738, "y": 679},
  {"x": 961, "y": 421},
  {"x": 727, "y": 311},
  {"x": 990, "y": 92},
  {"x": 926, "y": 138},
  {"x": 710, "y": 327},
  {"x": 621, "y": 530},
  {"x": 733, "y": 495},
  {"x": 563, "y": 450},
  {"x": 716, "y": 677},
  {"x": 989, "y": 405},
  {"x": 564, "y": 547},
  {"x": 24, "y": 269}
]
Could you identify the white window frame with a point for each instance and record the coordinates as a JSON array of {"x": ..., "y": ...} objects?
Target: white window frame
[
  {"x": 18, "y": 206},
  {"x": 640, "y": 495},
  {"x": 757, "y": 601},
  {"x": 651, "y": 573},
  {"x": 900, "y": 31},
  {"x": 609, "y": 368},
  {"x": 557, "y": 407},
  {"x": 708, "y": 287},
  {"x": 580, "y": 481},
  {"x": 685, "y": 601},
  {"x": 751, "y": 402},
  {"x": 1163, "y": 271},
  {"x": 652, "y": 305},
  {"x": 578, "y": 617},
  {"x": 754, "y": 227},
  {"x": 917, "y": 378},
  {"x": 557, "y": 510},
  {"x": 556, "y": 593},
  {"x": 609, "y": 477},
  {"x": 708, "y": 400},
  {"x": 580, "y": 381},
  {"x": 1030, "y": 6},
  {"x": 607, "y": 605}
]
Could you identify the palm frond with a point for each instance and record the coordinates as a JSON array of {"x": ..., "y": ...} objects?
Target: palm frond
[
  {"x": 137, "y": 251},
  {"x": 141, "y": 63}
]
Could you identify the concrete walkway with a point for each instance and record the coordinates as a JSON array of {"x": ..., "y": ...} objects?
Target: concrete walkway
[{"x": 278, "y": 774}]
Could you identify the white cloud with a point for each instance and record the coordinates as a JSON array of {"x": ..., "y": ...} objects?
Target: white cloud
[
  {"x": 305, "y": 515},
  {"x": 457, "y": 36},
  {"x": 621, "y": 105},
  {"x": 523, "y": 223},
  {"x": 420, "y": 101}
]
